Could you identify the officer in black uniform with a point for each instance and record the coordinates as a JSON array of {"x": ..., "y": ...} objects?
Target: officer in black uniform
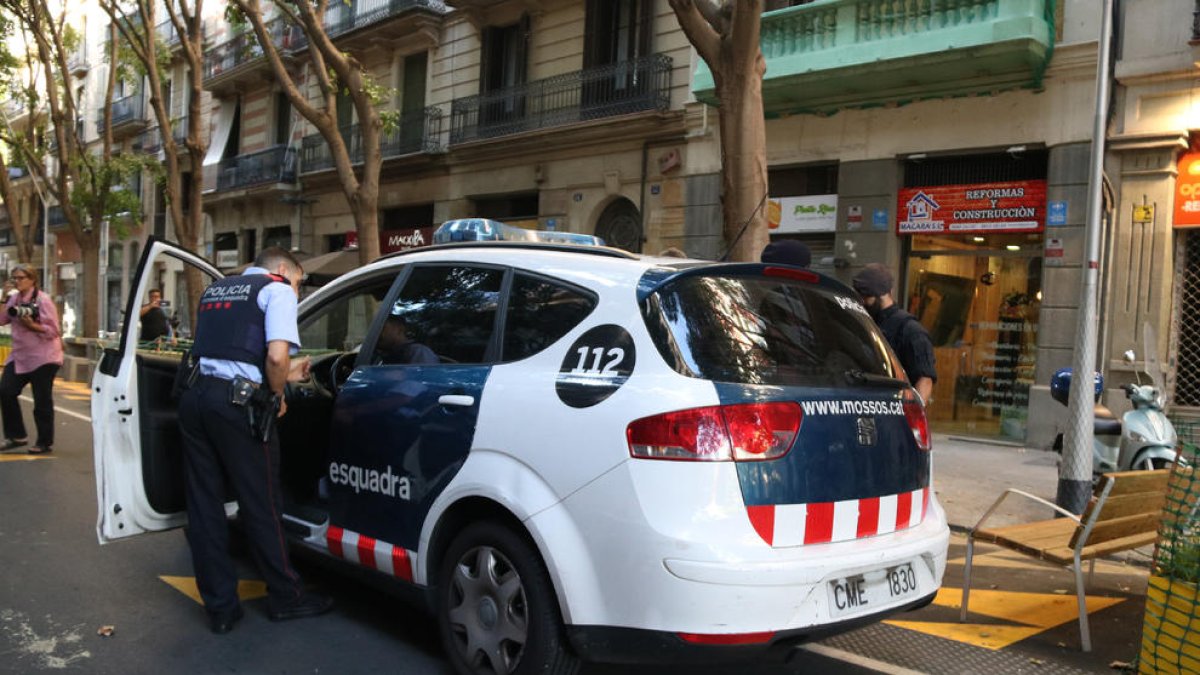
[
  {"x": 245, "y": 329},
  {"x": 904, "y": 333}
]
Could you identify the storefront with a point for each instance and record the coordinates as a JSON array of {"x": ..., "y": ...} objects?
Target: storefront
[
  {"x": 804, "y": 206},
  {"x": 974, "y": 280}
]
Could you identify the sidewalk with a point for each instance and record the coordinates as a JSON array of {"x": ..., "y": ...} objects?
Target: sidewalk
[
  {"x": 968, "y": 476},
  {"x": 1023, "y": 612}
]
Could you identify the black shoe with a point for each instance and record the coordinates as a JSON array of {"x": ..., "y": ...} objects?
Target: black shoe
[
  {"x": 309, "y": 604},
  {"x": 222, "y": 622}
]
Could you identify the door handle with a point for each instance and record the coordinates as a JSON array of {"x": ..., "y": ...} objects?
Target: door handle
[
  {"x": 126, "y": 411},
  {"x": 460, "y": 400}
]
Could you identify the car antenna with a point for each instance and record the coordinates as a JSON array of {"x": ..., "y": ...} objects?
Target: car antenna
[{"x": 742, "y": 231}]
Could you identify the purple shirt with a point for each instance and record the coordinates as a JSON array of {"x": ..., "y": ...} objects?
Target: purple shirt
[{"x": 30, "y": 349}]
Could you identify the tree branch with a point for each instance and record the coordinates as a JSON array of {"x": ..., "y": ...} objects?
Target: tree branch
[{"x": 699, "y": 30}]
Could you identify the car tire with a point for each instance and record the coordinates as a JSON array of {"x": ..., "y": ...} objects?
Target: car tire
[{"x": 496, "y": 608}]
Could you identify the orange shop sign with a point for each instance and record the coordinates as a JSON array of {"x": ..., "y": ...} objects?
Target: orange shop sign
[{"x": 1187, "y": 191}]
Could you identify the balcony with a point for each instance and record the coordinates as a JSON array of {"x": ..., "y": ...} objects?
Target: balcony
[
  {"x": 418, "y": 132},
  {"x": 150, "y": 141},
  {"x": 624, "y": 88},
  {"x": 241, "y": 60},
  {"x": 128, "y": 115},
  {"x": 836, "y": 54},
  {"x": 266, "y": 167},
  {"x": 77, "y": 62},
  {"x": 349, "y": 16},
  {"x": 165, "y": 30}
]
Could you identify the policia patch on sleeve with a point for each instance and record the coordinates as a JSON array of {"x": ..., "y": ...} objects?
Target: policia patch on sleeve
[{"x": 596, "y": 366}]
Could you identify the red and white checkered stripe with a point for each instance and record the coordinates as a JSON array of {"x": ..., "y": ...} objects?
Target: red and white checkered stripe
[
  {"x": 370, "y": 552},
  {"x": 820, "y": 523}
]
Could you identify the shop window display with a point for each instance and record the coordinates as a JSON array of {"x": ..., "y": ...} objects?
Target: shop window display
[{"x": 979, "y": 297}]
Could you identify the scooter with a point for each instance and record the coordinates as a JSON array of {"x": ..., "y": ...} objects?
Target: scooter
[{"x": 1142, "y": 439}]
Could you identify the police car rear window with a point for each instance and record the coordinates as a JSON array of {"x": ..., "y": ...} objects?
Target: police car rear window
[{"x": 757, "y": 330}]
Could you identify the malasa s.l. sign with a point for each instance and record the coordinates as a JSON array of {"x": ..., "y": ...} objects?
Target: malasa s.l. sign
[{"x": 1011, "y": 206}]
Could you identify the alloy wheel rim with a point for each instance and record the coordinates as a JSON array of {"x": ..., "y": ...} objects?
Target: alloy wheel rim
[{"x": 488, "y": 611}]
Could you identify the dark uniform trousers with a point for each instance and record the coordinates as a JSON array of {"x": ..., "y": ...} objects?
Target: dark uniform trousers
[{"x": 218, "y": 442}]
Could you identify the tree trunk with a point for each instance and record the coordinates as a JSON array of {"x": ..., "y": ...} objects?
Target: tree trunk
[
  {"x": 91, "y": 290},
  {"x": 367, "y": 220},
  {"x": 744, "y": 159}
]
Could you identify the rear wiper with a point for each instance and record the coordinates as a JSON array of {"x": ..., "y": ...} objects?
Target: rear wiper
[{"x": 856, "y": 376}]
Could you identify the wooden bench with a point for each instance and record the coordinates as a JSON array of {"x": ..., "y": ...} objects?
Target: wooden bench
[{"x": 1123, "y": 514}]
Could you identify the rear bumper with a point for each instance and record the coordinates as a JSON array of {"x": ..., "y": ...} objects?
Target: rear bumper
[
  {"x": 630, "y": 645},
  {"x": 669, "y": 557}
]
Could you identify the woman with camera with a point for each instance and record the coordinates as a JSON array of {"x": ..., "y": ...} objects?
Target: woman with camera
[{"x": 36, "y": 356}]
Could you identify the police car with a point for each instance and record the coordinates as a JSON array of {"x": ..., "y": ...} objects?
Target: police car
[{"x": 589, "y": 455}]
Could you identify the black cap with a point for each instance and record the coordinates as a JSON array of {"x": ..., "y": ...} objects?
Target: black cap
[
  {"x": 873, "y": 281},
  {"x": 787, "y": 252}
]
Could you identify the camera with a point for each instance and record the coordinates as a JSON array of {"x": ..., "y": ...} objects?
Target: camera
[{"x": 24, "y": 309}]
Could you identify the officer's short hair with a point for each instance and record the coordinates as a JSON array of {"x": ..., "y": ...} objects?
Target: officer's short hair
[{"x": 271, "y": 256}]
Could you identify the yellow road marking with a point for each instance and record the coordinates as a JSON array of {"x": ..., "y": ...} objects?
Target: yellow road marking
[
  {"x": 248, "y": 589},
  {"x": 23, "y": 457},
  {"x": 1032, "y": 612}
]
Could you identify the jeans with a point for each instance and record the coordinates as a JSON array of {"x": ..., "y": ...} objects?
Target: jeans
[{"x": 11, "y": 384}]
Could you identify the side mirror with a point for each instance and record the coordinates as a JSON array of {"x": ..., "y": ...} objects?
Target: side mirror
[{"x": 1129, "y": 357}]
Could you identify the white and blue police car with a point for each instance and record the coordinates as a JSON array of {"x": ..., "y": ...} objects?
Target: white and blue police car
[{"x": 578, "y": 453}]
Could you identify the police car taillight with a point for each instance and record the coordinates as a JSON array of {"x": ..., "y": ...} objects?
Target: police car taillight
[
  {"x": 914, "y": 412},
  {"x": 746, "y": 432}
]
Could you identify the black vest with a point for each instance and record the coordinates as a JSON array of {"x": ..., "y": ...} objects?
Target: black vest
[{"x": 229, "y": 323}]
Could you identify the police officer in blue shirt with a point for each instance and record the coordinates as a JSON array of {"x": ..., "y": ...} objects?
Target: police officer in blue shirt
[{"x": 245, "y": 335}]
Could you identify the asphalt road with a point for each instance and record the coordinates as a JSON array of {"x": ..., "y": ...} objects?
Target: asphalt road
[{"x": 59, "y": 587}]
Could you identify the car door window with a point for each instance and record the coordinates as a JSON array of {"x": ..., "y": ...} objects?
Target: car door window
[
  {"x": 444, "y": 314},
  {"x": 540, "y": 312},
  {"x": 342, "y": 324}
]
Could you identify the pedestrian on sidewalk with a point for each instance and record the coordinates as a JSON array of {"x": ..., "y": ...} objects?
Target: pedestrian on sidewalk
[
  {"x": 36, "y": 356},
  {"x": 155, "y": 323},
  {"x": 245, "y": 335},
  {"x": 903, "y": 331}
]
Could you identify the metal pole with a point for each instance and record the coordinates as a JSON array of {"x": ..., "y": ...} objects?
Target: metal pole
[{"x": 1075, "y": 471}]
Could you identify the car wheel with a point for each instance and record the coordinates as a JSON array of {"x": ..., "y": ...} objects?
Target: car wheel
[{"x": 497, "y": 612}]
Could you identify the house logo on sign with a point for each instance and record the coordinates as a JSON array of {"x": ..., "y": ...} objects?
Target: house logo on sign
[{"x": 921, "y": 208}]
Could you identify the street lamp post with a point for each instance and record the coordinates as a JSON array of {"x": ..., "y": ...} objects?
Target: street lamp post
[{"x": 1075, "y": 471}]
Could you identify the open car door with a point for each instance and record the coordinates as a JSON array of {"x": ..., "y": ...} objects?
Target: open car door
[{"x": 135, "y": 432}]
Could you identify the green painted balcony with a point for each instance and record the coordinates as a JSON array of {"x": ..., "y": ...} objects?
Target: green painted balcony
[{"x": 834, "y": 54}]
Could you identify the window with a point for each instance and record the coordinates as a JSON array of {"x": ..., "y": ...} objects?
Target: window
[
  {"x": 283, "y": 119},
  {"x": 616, "y": 31},
  {"x": 341, "y": 325},
  {"x": 539, "y": 313},
  {"x": 762, "y": 331},
  {"x": 450, "y": 310}
]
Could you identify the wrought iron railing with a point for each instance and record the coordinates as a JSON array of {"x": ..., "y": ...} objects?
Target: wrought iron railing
[
  {"x": 621, "y": 88},
  {"x": 417, "y": 132},
  {"x": 273, "y": 165},
  {"x": 179, "y": 128},
  {"x": 341, "y": 17},
  {"x": 167, "y": 33},
  {"x": 149, "y": 141},
  {"x": 244, "y": 48},
  {"x": 124, "y": 110}
]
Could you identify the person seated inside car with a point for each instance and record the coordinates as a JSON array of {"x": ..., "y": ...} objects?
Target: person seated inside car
[{"x": 396, "y": 347}]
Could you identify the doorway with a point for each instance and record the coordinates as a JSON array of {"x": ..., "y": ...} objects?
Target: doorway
[{"x": 980, "y": 298}]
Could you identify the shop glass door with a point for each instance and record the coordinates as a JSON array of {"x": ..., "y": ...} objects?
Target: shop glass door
[{"x": 979, "y": 298}]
